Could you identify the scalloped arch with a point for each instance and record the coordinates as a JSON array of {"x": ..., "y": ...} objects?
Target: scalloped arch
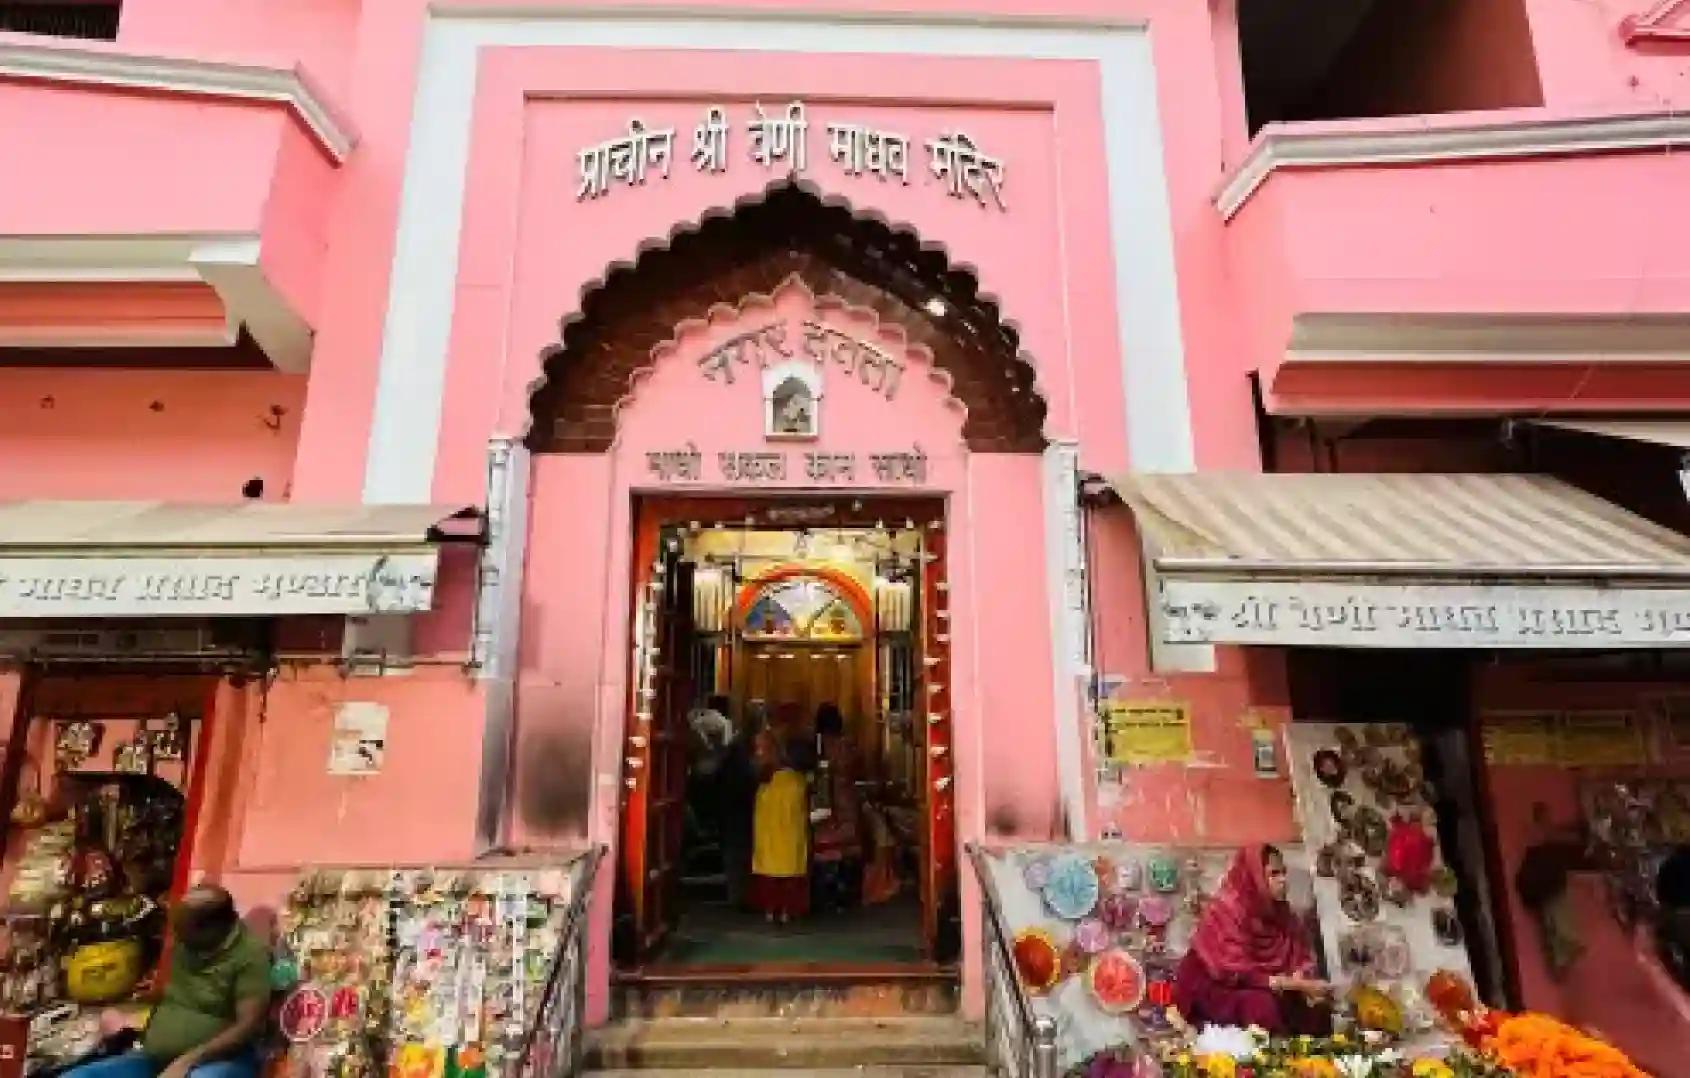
[{"x": 787, "y": 231}]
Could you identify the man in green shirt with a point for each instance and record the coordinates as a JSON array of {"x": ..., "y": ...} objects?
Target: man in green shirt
[{"x": 215, "y": 1001}]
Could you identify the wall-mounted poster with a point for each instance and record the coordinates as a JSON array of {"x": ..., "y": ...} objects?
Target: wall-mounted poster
[
  {"x": 358, "y": 744},
  {"x": 1520, "y": 738},
  {"x": 1601, "y": 739},
  {"x": 1147, "y": 731}
]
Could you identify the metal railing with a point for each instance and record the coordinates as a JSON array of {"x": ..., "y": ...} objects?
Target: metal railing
[
  {"x": 1019, "y": 1042},
  {"x": 554, "y": 1042}
]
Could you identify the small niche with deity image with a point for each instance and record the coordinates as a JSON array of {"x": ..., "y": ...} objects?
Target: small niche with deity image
[{"x": 792, "y": 394}]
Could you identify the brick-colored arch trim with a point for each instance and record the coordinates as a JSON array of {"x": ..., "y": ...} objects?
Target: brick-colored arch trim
[{"x": 787, "y": 232}]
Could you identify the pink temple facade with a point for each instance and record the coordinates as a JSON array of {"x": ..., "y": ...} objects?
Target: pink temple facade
[{"x": 331, "y": 254}]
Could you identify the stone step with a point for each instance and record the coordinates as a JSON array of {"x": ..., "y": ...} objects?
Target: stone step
[
  {"x": 764, "y": 993},
  {"x": 694, "y": 1044}
]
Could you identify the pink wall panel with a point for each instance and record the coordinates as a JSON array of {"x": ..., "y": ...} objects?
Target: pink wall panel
[
  {"x": 181, "y": 435},
  {"x": 119, "y": 182},
  {"x": 1009, "y": 613},
  {"x": 1584, "y": 62},
  {"x": 318, "y": 35},
  {"x": 419, "y": 809}
]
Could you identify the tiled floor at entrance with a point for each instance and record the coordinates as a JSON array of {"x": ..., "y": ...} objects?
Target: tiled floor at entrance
[{"x": 717, "y": 934}]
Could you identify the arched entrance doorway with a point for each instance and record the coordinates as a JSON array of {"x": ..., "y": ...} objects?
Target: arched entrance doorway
[{"x": 795, "y": 409}]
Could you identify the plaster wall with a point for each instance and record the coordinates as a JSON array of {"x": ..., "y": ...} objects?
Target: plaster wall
[
  {"x": 133, "y": 434},
  {"x": 290, "y": 812},
  {"x": 320, "y": 36},
  {"x": 119, "y": 183},
  {"x": 1584, "y": 62}
]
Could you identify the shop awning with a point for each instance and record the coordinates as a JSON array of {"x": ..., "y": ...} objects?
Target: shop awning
[
  {"x": 1672, "y": 433},
  {"x": 1411, "y": 560},
  {"x": 160, "y": 559}
]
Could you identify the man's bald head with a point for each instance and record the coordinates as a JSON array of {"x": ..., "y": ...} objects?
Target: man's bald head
[{"x": 204, "y": 917}]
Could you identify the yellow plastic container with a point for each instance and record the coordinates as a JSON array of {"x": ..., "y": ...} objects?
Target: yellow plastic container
[{"x": 103, "y": 972}]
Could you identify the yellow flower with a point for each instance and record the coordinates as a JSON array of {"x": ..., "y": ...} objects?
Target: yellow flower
[
  {"x": 1219, "y": 1065},
  {"x": 1339, "y": 1038},
  {"x": 1431, "y": 1068},
  {"x": 1184, "y": 1059}
]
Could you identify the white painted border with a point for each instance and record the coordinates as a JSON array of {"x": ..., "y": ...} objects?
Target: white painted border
[
  {"x": 1509, "y": 135},
  {"x": 179, "y": 75},
  {"x": 226, "y": 261},
  {"x": 404, "y": 431},
  {"x": 1064, "y": 558}
]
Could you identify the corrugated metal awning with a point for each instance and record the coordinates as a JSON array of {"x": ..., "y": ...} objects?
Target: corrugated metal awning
[
  {"x": 1321, "y": 524},
  {"x": 254, "y": 559},
  {"x": 1332, "y": 560},
  {"x": 88, "y": 526},
  {"x": 1674, "y": 433},
  {"x": 1405, "y": 561}
]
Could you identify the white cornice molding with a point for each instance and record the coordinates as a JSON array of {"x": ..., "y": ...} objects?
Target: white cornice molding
[
  {"x": 1281, "y": 146},
  {"x": 226, "y": 261},
  {"x": 177, "y": 75},
  {"x": 1461, "y": 338}
]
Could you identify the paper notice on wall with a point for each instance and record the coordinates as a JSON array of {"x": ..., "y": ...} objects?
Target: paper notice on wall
[
  {"x": 1147, "y": 731},
  {"x": 1601, "y": 739},
  {"x": 359, "y": 742},
  {"x": 1520, "y": 738}
]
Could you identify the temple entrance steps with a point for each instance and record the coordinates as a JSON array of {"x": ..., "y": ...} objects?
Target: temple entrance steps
[{"x": 903, "y": 1047}]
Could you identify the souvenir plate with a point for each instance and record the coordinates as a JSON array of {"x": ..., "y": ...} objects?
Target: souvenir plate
[
  {"x": 1371, "y": 831},
  {"x": 1343, "y": 807},
  {"x": 1359, "y": 897},
  {"x": 1329, "y": 768},
  {"x": 1038, "y": 964},
  {"x": 1155, "y": 912},
  {"x": 1393, "y": 960},
  {"x": 303, "y": 1014},
  {"x": 1036, "y": 873},
  {"x": 1447, "y": 927},
  {"x": 1444, "y": 881},
  {"x": 1326, "y": 862},
  {"x": 1164, "y": 874},
  {"x": 1072, "y": 891},
  {"x": 1117, "y": 912},
  {"x": 1091, "y": 935},
  {"x": 1116, "y": 981}
]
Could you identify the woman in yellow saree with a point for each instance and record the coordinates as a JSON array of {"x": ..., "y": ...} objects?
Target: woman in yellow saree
[{"x": 780, "y": 834}]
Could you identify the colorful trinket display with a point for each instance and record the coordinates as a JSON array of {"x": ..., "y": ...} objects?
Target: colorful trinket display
[{"x": 418, "y": 974}]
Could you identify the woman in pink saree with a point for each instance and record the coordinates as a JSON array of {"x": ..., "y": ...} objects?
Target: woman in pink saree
[{"x": 1249, "y": 962}]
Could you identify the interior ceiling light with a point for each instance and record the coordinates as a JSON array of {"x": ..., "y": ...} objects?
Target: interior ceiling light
[{"x": 936, "y": 307}]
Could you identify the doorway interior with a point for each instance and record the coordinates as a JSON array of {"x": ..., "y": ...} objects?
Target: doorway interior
[{"x": 772, "y": 613}]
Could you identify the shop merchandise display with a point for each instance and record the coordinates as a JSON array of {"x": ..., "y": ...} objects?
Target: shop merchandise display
[
  {"x": 1632, "y": 825},
  {"x": 1106, "y": 930},
  {"x": 1382, "y": 890},
  {"x": 84, "y": 917},
  {"x": 432, "y": 973}
]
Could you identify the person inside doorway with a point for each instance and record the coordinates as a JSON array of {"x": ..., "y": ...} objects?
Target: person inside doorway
[
  {"x": 711, "y": 727},
  {"x": 1672, "y": 921},
  {"x": 215, "y": 1002},
  {"x": 737, "y": 783},
  {"x": 1556, "y": 851},
  {"x": 1249, "y": 963},
  {"x": 780, "y": 850},
  {"x": 838, "y": 832}
]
